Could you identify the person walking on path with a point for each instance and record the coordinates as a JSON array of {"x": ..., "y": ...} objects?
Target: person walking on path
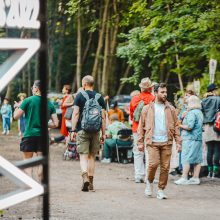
[
  {"x": 6, "y": 112},
  {"x": 191, "y": 141},
  {"x": 210, "y": 106},
  {"x": 31, "y": 141},
  {"x": 138, "y": 101},
  {"x": 158, "y": 126},
  {"x": 87, "y": 120},
  {"x": 66, "y": 102}
]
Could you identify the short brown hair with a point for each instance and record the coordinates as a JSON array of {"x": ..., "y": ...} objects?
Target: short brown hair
[
  {"x": 68, "y": 88},
  {"x": 191, "y": 92},
  {"x": 159, "y": 85}
]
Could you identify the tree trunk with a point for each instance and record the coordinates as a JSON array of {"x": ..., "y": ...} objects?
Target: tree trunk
[
  {"x": 100, "y": 42},
  {"x": 53, "y": 15},
  {"x": 112, "y": 58},
  {"x": 105, "y": 71},
  {"x": 86, "y": 50},
  {"x": 177, "y": 59},
  {"x": 24, "y": 79},
  {"x": 50, "y": 67},
  {"x": 29, "y": 77},
  {"x": 36, "y": 67},
  {"x": 79, "y": 50},
  {"x": 167, "y": 77},
  {"x": 60, "y": 56},
  {"x": 179, "y": 75},
  {"x": 9, "y": 90},
  {"x": 126, "y": 74}
]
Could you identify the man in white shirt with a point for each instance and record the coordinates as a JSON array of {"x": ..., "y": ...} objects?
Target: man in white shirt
[{"x": 158, "y": 125}]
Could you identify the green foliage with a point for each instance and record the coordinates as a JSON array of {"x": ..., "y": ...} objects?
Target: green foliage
[{"x": 189, "y": 29}]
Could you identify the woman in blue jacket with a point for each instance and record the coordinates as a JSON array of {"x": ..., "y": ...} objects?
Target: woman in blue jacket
[{"x": 191, "y": 141}]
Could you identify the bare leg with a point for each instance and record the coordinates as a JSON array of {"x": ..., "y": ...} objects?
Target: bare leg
[
  {"x": 197, "y": 169},
  {"x": 40, "y": 170},
  {"x": 84, "y": 162},
  {"x": 186, "y": 168},
  {"x": 91, "y": 165},
  {"x": 26, "y": 156}
]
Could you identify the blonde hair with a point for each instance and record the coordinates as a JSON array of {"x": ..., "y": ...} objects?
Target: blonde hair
[{"x": 194, "y": 102}]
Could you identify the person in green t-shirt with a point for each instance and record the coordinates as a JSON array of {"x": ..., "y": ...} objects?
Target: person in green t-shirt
[
  {"x": 110, "y": 141},
  {"x": 31, "y": 141}
]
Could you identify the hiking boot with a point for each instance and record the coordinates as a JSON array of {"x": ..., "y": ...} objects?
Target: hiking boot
[
  {"x": 91, "y": 187},
  {"x": 85, "y": 185},
  {"x": 149, "y": 189},
  {"x": 161, "y": 194}
]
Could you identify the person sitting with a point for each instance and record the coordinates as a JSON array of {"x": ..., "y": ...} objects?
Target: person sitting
[
  {"x": 116, "y": 110},
  {"x": 110, "y": 142}
]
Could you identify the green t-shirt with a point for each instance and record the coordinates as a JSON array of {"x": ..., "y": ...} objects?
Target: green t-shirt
[
  {"x": 114, "y": 128},
  {"x": 31, "y": 107}
]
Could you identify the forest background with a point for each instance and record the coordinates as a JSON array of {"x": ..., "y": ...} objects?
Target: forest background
[{"x": 121, "y": 41}]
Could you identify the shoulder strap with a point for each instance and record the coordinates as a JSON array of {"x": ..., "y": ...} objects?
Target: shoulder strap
[
  {"x": 97, "y": 96},
  {"x": 85, "y": 95}
]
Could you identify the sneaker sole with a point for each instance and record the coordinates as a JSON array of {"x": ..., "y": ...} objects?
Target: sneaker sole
[
  {"x": 183, "y": 184},
  {"x": 161, "y": 198},
  {"x": 150, "y": 196},
  {"x": 193, "y": 184},
  {"x": 85, "y": 187}
]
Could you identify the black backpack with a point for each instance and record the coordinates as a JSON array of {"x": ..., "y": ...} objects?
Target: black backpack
[{"x": 91, "y": 120}]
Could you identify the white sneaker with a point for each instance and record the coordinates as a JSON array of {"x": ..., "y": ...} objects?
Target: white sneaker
[
  {"x": 194, "y": 181},
  {"x": 149, "y": 189},
  {"x": 7, "y": 132},
  {"x": 156, "y": 181},
  {"x": 182, "y": 181},
  {"x": 4, "y": 132},
  {"x": 139, "y": 180},
  {"x": 161, "y": 194},
  {"x": 106, "y": 160}
]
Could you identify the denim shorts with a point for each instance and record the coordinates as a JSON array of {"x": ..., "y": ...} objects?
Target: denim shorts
[{"x": 31, "y": 144}]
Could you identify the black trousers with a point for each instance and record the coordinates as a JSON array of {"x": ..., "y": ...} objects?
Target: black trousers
[{"x": 213, "y": 153}]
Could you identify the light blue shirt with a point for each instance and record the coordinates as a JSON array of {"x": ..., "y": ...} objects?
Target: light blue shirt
[
  {"x": 160, "y": 130},
  {"x": 6, "y": 111}
]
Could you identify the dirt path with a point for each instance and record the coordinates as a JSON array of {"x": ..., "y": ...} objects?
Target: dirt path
[{"x": 116, "y": 197}]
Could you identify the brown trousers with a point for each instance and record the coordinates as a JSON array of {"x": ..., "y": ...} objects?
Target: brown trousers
[{"x": 159, "y": 154}]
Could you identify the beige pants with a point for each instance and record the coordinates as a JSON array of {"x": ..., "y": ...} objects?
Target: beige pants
[{"x": 159, "y": 154}]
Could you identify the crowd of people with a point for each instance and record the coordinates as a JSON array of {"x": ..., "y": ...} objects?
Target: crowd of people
[{"x": 157, "y": 127}]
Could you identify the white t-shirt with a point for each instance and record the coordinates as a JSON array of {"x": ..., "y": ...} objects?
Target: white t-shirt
[{"x": 160, "y": 130}]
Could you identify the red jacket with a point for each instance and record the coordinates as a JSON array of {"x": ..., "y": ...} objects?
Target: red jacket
[{"x": 147, "y": 97}]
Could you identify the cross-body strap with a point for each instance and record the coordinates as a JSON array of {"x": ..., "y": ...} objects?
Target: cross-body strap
[
  {"x": 85, "y": 95},
  {"x": 97, "y": 96}
]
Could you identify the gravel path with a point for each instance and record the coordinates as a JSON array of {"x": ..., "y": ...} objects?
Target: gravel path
[{"x": 116, "y": 196}]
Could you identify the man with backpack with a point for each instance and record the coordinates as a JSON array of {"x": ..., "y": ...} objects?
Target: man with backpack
[
  {"x": 87, "y": 121},
  {"x": 136, "y": 105}
]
